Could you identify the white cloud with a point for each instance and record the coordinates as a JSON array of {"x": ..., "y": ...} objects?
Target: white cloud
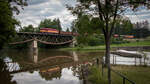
[
  {"x": 138, "y": 16},
  {"x": 38, "y": 10}
]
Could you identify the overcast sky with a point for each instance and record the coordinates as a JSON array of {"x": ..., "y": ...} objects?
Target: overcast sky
[{"x": 38, "y": 10}]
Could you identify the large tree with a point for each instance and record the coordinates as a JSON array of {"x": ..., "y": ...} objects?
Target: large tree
[
  {"x": 48, "y": 23},
  {"x": 7, "y": 20},
  {"x": 28, "y": 28},
  {"x": 108, "y": 12}
]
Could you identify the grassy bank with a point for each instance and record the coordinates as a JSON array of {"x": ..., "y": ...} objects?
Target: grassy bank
[
  {"x": 102, "y": 47},
  {"x": 139, "y": 75}
]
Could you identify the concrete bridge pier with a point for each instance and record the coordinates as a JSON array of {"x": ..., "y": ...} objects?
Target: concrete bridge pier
[
  {"x": 75, "y": 56},
  {"x": 74, "y": 43},
  {"x": 34, "y": 51}
]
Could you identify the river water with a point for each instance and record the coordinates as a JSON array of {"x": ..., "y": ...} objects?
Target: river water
[
  {"x": 49, "y": 67},
  {"x": 53, "y": 66}
]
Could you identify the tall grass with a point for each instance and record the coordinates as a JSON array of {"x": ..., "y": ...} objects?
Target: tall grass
[{"x": 138, "y": 74}]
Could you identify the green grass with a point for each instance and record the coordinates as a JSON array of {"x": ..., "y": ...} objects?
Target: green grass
[
  {"x": 140, "y": 75},
  {"x": 102, "y": 47}
]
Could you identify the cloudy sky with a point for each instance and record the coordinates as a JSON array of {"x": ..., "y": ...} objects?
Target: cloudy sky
[
  {"x": 141, "y": 15},
  {"x": 38, "y": 10}
]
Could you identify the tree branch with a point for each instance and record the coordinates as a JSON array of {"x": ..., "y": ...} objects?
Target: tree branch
[
  {"x": 101, "y": 13},
  {"x": 114, "y": 19}
]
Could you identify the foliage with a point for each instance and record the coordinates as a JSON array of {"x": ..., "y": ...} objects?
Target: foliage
[
  {"x": 67, "y": 30},
  {"x": 86, "y": 28},
  {"x": 5, "y": 76},
  {"x": 123, "y": 27},
  {"x": 95, "y": 77},
  {"x": 141, "y": 33},
  {"x": 48, "y": 23},
  {"x": 96, "y": 40},
  {"x": 28, "y": 28},
  {"x": 7, "y": 21}
]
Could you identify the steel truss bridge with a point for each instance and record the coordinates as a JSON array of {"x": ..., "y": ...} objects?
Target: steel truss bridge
[{"x": 45, "y": 38}]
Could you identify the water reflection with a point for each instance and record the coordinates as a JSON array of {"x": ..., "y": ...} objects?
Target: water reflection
[
  {"x": 65, "y": 77},
  {"x": 5, "y": 77},
  {"x": 49, "y": 66}
]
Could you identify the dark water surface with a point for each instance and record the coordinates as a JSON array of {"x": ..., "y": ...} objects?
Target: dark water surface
[{"x": 49, "y": 67}]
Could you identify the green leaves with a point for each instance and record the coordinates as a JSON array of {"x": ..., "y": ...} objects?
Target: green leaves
[
  {"x": 7, "y": 21},
  {"x": 48, "y": 23},
  {"x": 28, "y": 28}
]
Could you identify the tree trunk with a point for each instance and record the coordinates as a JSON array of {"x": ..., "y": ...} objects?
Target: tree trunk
[{"x": 107, "y": 58}]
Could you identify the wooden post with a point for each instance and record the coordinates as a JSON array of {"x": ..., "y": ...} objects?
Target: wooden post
[
  {"x": 140, "y": 61},
  {"x": 113, "y": 59},
  {"x": 135, "y": 61}
]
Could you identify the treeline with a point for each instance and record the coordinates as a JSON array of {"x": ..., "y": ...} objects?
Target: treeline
[
  {"x": 90, "y": 34},
  {"x": 46, "y": 23},
  {"x": 138, "y": 30}
]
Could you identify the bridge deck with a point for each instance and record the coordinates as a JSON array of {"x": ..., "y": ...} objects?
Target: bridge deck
[{"x": 35, "y": 33}]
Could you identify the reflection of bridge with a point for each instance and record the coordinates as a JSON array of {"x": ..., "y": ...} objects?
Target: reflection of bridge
[
  {"x": 20, "y": 66},
  {"x": 41, "y": 66}
]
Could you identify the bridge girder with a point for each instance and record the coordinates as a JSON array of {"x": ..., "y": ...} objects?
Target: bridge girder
[{"x": 47, "y": 38}]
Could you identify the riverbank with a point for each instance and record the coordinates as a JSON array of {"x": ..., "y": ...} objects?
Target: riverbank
[
  {"x": 113, "y": 46},
  {"x": 134, "y": 73}
]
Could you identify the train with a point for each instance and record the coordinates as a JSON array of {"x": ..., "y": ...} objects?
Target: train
[
  {"x": 48, "y": 30},
  {"x": 124, "y": 36},
  {"x": 55, "y": 31}
]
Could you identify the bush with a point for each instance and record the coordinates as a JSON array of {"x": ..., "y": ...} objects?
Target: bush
[
  {"x": 95, "y": 76},
  {"x": 93, "y": 41}
]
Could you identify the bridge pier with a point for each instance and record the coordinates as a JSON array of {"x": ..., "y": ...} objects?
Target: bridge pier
[
  {"x": 34, "y": 51},
  {"x": 75, "y": 56},
  {"x": 74, "y": 43}
]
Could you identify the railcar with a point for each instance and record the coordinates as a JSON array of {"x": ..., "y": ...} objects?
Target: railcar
[{"x": 48, "y": 30}]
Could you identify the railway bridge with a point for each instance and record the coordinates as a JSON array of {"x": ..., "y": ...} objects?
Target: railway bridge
[{"x": 45, "y": 38}]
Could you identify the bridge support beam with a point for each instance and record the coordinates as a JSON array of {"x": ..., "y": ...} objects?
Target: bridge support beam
[{"x": 34, "y": 51}]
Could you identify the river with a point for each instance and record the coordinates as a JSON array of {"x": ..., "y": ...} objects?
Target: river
[
  {"x": 52, "y": 66},
  {"x": 49, "y": 67}
]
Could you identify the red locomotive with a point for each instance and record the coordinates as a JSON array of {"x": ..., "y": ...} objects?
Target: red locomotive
[
  {"x": 48, "y": 30},
  {"x": 55, "y": 31}
]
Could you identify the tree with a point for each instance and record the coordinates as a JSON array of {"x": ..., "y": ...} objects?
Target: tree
[
  {"x": 48, "y": 23},
  {"x": 87, "y": 28},
  {"x": 82, "y": 25},
  {"x": 28, "y": 28},
  {"x": 108, "y": 11},
  {"x": 7, "y": 21},
  {"x": 67, "y": 30},
  {"x": 123, "y": 27}
]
